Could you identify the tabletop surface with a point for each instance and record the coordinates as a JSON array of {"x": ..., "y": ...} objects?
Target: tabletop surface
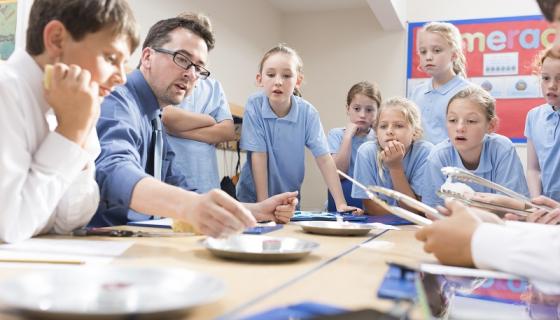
[{"x": 342, "y": 272}]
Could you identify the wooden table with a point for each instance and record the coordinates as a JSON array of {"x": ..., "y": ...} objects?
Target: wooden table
[{"x": 340, "y": 272}]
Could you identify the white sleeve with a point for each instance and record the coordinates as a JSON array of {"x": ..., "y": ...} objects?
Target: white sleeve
[
  {"x": 526, "y": 249},
  {"x": 78, "y": 205},
  {"x": 32, "y": 182}
]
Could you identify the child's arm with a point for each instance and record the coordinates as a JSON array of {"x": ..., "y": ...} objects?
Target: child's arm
[
  {"x": 260, "y": 174},
  {"x": 219, "y": 132},
  {"x": 373, "y": 208},
  {"x": 177, "y": 120},
  {"x": 392, "y": 156},
  {"x": 342, "y": 157},
  {"x": 533, "y": 171},
  {"x": 327, "y": 166}
]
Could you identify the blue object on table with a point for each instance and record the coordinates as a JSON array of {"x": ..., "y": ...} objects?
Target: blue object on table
[
  {"x": 262, "y": 229},
  {"x": 389, "y": 219},
  {"x": 326, "y": 216},
  {"x": 398, "y": 283},
  {"x": 304, "y": 310},
  {"x": 166, "y": 224}
]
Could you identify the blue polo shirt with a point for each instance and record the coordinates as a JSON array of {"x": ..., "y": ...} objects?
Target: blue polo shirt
[
  {"x": 433, "y": 106},
  {"x": 283, "y": 139},
  {"x": 542, "y": 129},
  {"x": 499, "y": 163},
  {"x": 125, "y": 135},
  {"x": 335, "y": 140},
  {"x": 195, "y": 159},
  {"x": 366, "y": 170}
]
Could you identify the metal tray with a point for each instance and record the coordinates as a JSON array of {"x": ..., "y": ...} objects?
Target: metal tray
[
  {"x": 260, "y": 248},
  {"x": 335, "y": 228},
  {"x": 109, "y": 292}
]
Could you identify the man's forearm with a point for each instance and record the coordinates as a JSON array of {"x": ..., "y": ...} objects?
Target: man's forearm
[{"x": 154, "y": 197}]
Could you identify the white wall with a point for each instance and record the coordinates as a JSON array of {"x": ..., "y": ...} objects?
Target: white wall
[
  {"x": 241, "y": 36},
  {"x": 433, "y": 10},
  {"x": 348, "y": 46}
]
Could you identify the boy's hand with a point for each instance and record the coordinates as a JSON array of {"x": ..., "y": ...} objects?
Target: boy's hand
[
  {"x": 393, "y": 154},
  {"x": 74, "y": 99}
]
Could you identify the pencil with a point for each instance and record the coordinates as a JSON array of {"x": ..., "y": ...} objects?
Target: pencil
[{"x": 41, "y": 261}]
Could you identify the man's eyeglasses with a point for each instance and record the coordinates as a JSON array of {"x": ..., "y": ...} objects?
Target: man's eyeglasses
[{"x": 184, "y": 62}]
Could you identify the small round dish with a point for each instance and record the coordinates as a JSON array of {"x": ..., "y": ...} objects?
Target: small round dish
[
  {"x": 259, "y": 248},
  {"x": 332, "y": 228}
]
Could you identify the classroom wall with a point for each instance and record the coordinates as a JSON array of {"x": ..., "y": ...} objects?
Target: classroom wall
[
  {"x": 241, "y": 36},
  {"x": 349, "y": 46},
  {"x": 338, "y": 48}
]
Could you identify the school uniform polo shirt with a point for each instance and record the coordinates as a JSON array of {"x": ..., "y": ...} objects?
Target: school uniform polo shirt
[
  {"x": 283, "y": 139},
  {"x": 335, "y": 141},
  {"x": 542, "y": 128},
  {"x": 196, "y": 159},
  {"x": 499, "y": 163},
  {"x": 433, "y": 106},
  {"x": 366, "y": 170}
]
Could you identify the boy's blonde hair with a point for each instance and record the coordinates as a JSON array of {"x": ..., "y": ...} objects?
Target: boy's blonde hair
[
  {"x": 452, "y": 36},
  {"x": 411, "y": 113},
  {"x": 541, "y": 56},
  {"x": 479, "y": 96},
  {"x": 283, "y": 48}
]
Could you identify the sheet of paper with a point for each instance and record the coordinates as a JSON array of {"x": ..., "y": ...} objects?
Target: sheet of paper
[
  {"x": 378, "y": 245},
  {"x": 157, "y": 223},
  {"x": 465, "y": 272},
  {"x": 382, "y": 226},
  {"x": 86, "y": 251}
]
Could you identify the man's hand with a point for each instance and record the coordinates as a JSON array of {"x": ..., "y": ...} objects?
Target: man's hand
[
  {"x": 217, "y": 214},
  {"x": 75, "y": 101}
]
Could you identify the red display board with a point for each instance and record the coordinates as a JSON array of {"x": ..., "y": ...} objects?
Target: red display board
[{"x": 500, "y": 53}]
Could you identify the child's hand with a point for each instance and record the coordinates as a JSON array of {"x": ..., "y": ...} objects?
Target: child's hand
[
  {"x": 393, "y": 154},
  {"x": 279, "y": 208},
  {"x": 351, "y": 129},
  {"x": 74, "y": 99},
  {"x": 347, "y": 208}
]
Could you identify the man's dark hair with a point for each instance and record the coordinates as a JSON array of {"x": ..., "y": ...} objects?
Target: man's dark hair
[
  {"x": 80, "y": 17},
  {"x": 548, "y": 7},
  {"x": 159, "y": 32}
]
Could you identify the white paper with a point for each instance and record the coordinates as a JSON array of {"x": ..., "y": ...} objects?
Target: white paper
[
  {"x": 87, "y": 251},
  {"x": 159, "y": 223},
  {"x": 382, "y": 226},
  {"x": 378, "y": 245},
  {"x": 465, "y": 272}
]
